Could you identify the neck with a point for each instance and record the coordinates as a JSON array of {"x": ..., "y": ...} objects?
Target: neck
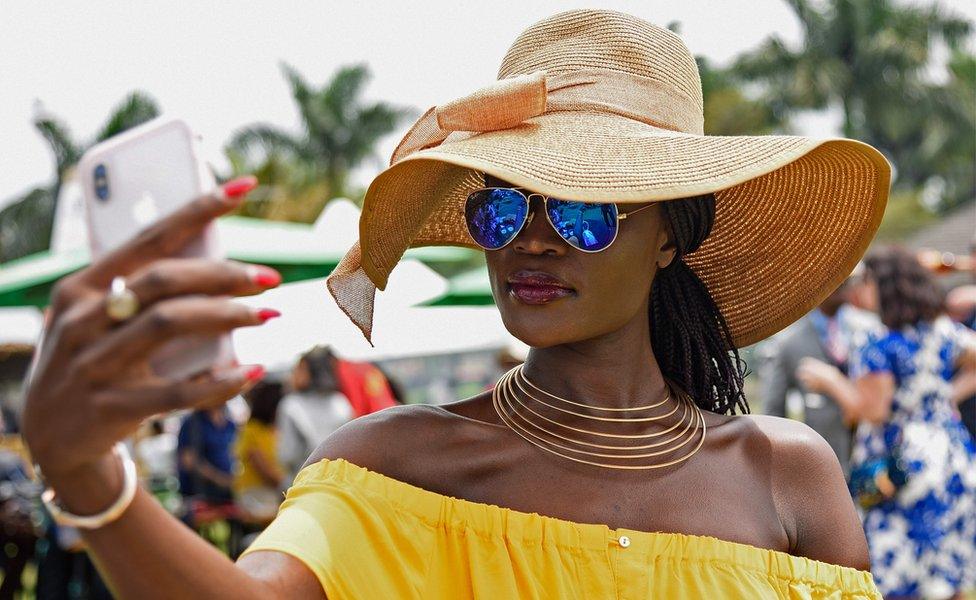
[{"x": 614, "y": 370}]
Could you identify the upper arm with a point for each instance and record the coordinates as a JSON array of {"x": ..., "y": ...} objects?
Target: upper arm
[
  {"x": 812, "y": 496},
  {"x": 873, "y": 378},
  {"x": 311, "y": 526},
  {"x": 283, "y": 575},
  {"x": 965, "y": 348},
  {"x": 188, "y": 458},
  {"x": 376, "y": 440},
  {"x": 876, "y": 391}
]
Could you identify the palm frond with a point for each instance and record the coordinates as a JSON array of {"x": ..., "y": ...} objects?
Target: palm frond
[
  {"x": 135, "y": 109},
  {"x": 56, "y": 134},
  {"x": 267, "y": 140}
]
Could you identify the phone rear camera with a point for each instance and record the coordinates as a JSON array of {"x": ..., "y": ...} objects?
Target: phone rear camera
[{"x": 101, "y": 182}]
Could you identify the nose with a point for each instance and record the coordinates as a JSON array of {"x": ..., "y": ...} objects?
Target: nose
[{"x": 538, "y": 236}]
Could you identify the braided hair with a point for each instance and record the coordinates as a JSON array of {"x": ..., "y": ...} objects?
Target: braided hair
[{"x": 689, "y": 335}]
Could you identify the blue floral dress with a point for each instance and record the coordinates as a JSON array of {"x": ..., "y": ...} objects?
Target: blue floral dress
[{"x": 923, "y": 540}]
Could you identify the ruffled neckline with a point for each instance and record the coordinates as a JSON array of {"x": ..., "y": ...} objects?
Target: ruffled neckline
[{"x": 493, "y": 521}]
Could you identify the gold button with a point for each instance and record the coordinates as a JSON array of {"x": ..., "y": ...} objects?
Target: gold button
[{"x": 624, "y": 541}]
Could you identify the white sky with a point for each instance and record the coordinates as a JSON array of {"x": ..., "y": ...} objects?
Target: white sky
[{"x": 216, "y": 63}]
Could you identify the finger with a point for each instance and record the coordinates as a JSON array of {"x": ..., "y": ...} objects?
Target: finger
[
  {"x": 135, "y": 340},
  {"x": 169, "y": 235},
  {"x": 175, "y": 277},
  {"x": 203, "y": 391}
]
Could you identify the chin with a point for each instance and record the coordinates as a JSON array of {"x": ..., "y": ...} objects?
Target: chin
[{"x": 541, "y": 326}]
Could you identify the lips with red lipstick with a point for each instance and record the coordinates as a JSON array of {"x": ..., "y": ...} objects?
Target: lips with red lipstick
[{"x": 538, "y": 287}]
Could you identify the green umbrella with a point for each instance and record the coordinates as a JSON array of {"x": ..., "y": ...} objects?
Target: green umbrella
[
  {"x": 470, "y": 288},
  {"x": 294, "y": 249}
]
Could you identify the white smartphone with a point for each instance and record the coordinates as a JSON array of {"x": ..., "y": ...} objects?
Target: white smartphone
[{"x": 135, "y": 179}]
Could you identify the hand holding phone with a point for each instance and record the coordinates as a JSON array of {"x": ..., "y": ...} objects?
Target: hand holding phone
[
  {"x": 132, "y": 181},
  {"x": 93, "y": 380}
]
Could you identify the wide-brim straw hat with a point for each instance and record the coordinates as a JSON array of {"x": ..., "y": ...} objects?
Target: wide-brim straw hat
[{"x": 601, "y": 106}]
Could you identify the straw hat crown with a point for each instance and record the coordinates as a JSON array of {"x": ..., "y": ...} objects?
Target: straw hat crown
[{"x": 600, "y": 39}]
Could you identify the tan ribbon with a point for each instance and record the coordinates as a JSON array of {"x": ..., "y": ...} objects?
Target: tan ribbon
[
  {"x": 508, "y": 102},
  {"x": 505, "y": 104}
]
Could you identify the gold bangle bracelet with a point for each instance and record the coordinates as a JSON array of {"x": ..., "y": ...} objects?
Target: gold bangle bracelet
[{"x": 110, "y": 514}]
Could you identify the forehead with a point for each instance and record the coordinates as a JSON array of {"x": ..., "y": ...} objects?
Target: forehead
[{"x": 492, "y": 181}]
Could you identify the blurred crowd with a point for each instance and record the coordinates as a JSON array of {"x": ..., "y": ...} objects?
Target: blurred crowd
[
  {"x": 223, "y": 471},
  {"x": 885, "y": 370}
]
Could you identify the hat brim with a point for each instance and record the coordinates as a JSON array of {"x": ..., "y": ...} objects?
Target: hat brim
[{"x": 793, "y": 214}]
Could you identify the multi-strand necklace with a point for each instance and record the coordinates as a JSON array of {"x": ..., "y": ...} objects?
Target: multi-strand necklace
[{"x": 678, "y": 441}]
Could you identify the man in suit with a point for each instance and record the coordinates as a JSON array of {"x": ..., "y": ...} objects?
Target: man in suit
[{"x": 832, "y": 332}]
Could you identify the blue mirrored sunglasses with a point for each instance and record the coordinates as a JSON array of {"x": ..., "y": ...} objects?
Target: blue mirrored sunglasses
[{"x": 496, "y": 215}]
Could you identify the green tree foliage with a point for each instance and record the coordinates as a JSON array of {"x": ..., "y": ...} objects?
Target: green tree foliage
[
  {"x": 872, "y": 58},
  {"x": 25, "y": 223},
  {"x": 728, "y": 111},
  {"x": 339, "y": 132}
]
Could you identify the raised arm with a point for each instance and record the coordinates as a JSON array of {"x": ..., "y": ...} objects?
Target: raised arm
[
  {"x": 91, "y": 386},
  {"x": 868, "y": 398}
]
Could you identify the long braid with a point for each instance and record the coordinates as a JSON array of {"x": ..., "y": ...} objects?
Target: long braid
[{"x": 690, "y": 337}]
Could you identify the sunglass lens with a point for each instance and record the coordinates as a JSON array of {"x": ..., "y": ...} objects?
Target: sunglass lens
[
  {"x": 587, "y": 226},
  {"x": 495, "y": 216}
]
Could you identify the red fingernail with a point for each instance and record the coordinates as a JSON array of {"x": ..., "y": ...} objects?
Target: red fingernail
[
  {"x": 266, "y": 314},
  {"x": 235, "y": 188},
  {"x": 255, "y": 373},
  {"x": 265, "y": 276}
]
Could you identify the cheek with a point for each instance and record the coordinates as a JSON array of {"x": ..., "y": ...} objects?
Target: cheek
[{"x": 619, "y": 283}]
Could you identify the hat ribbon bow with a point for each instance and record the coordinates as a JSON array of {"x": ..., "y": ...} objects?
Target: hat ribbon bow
[{"x": 509, "y": 102}]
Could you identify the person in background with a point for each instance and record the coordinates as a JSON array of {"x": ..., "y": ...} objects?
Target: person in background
[
  {"x": 312, "y": 411},
  {"x": 397, "y": 392},
  {"x": 961, "y": 306},
  {"x": 829, "y": 333},
  {"x": 19, "y": 528},
  {"x": 205, "y": 463},
  {"x": 259, "y": 480},
  {"x": 363, "y": 383},
  {"x": 913, "y": 465}
]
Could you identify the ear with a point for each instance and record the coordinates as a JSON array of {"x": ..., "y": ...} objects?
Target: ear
[{"x": 666, "y": 248}]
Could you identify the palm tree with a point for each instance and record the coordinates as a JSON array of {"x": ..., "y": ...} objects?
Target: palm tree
[
  {"x": 25, "y": 223},
  {"x": 868, "y": 57},
  {"x": 729, "y": 111},
  {"x": 339, "y": 133}
]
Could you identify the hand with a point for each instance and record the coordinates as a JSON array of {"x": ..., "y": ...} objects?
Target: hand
[
  {"x": 92, "y": 384},
  {"x": 817, "y": 376}
]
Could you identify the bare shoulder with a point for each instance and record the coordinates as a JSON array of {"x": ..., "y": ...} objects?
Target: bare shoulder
[
  {"x": 380, "y": 441},
  {"x": 811, "y": 493},
  {"x": 794, "y": 439},
  {"x": 803, "y": 464}
]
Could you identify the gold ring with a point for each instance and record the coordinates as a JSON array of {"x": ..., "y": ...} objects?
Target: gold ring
[{"x": 121, "y": 302}]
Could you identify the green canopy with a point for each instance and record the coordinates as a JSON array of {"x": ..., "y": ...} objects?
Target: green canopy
[
  {"x": 471, "y": 288},
  {"x": 294, "y": 249}
]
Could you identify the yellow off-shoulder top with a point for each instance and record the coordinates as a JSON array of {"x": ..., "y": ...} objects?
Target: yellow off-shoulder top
[{"x": 366, "y": 535}]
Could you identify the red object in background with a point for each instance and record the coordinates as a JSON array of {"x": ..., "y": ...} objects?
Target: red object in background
[
  {"x": 944, "y": 262},
  {"x": 365, "y": 386}
]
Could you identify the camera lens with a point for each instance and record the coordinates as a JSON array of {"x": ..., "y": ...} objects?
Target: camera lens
[{"x": 101, "y": 182}]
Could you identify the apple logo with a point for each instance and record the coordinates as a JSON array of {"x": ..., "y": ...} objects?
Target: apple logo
[{"x": 145, "y": 211}]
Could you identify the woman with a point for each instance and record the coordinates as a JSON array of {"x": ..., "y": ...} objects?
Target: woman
[
  {"x": 459, "y": 500},
  {"x": 912, "y": 452},
  {"x": 313, "y": 410},
  {"x": 258, "y": 482}
]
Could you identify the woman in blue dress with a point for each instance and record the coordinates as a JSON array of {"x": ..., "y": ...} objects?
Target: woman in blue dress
[{"x": 911, "y": 448}]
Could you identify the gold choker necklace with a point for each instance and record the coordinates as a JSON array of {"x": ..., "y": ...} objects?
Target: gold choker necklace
[{"x": 533, "y": 426}]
